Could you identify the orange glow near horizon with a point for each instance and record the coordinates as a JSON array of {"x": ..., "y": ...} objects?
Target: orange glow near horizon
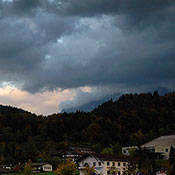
[{"x": 44, "y": 103}]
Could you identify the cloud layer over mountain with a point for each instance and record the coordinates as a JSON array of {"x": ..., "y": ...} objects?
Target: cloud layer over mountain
[{"x": 51, "y": 44}]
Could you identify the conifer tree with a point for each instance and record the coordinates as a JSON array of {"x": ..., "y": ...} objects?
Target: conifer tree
[
  {"x": 27, "y": 169},
  {"x": 172, "y": 159},
  {"x": 67, "y": 168}
]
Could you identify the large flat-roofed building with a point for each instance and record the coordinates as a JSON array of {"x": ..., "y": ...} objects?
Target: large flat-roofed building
[{"x": 161, "y": 145}]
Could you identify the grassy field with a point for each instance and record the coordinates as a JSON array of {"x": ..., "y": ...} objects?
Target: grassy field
[{"x": 49, "y": 173}]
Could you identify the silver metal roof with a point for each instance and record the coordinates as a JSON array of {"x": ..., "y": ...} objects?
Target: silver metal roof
[{"x": 163, "y": 140}]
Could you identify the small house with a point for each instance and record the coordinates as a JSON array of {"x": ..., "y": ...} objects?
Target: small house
[
  {"x": 74, "y": 153},
  {"x": 126, "y": 150},
  {"x": 5, "y": 169},
  {"x": 41, "y": 167}
]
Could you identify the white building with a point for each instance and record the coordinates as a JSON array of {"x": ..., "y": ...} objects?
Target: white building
[
  {"x": 161, "y": 146},
  {"x": 126, "y": 150},
  {"x": 161, "y": 173},
  {"x": 107, "y": 164},
  {"x": 41, "y": 167}
]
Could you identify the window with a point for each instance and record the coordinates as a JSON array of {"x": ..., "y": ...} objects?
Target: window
[
  {"x": 166, "y": 150},
  {"x": 99, "y": 163},
  {"x": 124, "y": 164},
  {"x": 152, "y": 150},
  {"x": 124, "y": 151},
  {"x": 113, "y": 163},
  {"x": 108, "y": 172},
  {"x": 118, "y": 163},
  {"x": 108, "y": 164},
  {"x": 94, "y": 163},
  {"x": 119, "y": 173},
  {"x": 47, "y": 168}
]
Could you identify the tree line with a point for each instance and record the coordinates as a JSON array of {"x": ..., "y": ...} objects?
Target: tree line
[{"x": 133, "y": 119}]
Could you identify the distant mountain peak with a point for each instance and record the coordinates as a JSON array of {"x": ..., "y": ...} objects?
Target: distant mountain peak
[{"x": 92, "y": 105}]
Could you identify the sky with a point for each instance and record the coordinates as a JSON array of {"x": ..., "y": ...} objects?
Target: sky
[{"x": 56, "y": 54}]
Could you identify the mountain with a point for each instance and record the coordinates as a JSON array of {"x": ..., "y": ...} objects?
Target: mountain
[
  {"x": 161, "y": 90},
  {"x": 92, "y": 105},
  {"x": 132, "y": 119},
  {"x": 10, "y": 110}
]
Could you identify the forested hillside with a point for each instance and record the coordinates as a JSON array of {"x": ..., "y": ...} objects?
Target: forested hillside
[{"x": 131, "y": 120}]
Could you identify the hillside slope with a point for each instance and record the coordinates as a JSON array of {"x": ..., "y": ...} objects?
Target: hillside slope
[{"x": 131, "y": 120}]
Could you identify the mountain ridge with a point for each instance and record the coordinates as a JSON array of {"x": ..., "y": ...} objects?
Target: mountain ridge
[
  {"x": 133, "y": 119},
  {"x": 92, "y": 105}
]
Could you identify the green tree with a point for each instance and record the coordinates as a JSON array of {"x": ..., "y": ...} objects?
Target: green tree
[
  {"x": 66, "y": 168},
  {"x": 147, "y": 162},
  {"x": 113, "y": 170},
  {"x": 172, "y": 159},
  {"x": 172, "y": 156},
  {"x": 165, "y": 164},
  {"x": 89, "y": 170},
  {"x": 27, "y": 169},
  {"x": 44, "y": 157},
  {"x": 2, "y": 159},
  {"x": 117, "y": 148},
  {"x": 132, "y": 169},
  {"x": 132, "y": 152},
  {"x": 107, "y": 151}
]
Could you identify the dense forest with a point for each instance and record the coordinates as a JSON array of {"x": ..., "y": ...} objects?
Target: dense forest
[{"x": 131, "y": 120}]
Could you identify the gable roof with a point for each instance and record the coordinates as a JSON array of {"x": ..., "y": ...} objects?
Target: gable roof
[
  {"x": 163, "y": 140},
  {"x": 81, "y": 150},
  {"x": 39, "y": 164},
  {"x": 77, "y": 150},
  {"x": 111, "y": 157},
  {"x": 2, "y": 170}
]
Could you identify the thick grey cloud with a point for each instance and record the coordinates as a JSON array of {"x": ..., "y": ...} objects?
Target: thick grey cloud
[
  {"x": 25, "y": 42},
  {"x": 86, "y": 95},
  {"x": 73, "y": 43},
  {"x": 135, "y": 10}
]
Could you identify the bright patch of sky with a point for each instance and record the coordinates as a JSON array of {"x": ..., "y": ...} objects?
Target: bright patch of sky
[{"x": 40, "y": 103}]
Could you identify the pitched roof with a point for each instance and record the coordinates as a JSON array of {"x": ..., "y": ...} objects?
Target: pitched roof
[
  {"x": 2, "y": 170},
  {"x": 112, "y": 157},
  {"x": 39, "y": 164},
  {"x": 77, "y": 150},
  {"x": 81, "y": 150},
  {"x": 57, "y": 153},
  {"x": 169, "y": 139}
]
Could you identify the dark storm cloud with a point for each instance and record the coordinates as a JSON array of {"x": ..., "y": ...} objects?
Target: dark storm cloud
[
  {"x": 135, "y": 12},
  {"x": 144, "y": 8},
  {"x": 67, "y": 44},
  {"x": 24, "y": 42},
  {"x": 134, "y": 7}
]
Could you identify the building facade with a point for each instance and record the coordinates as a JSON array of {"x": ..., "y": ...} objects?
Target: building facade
[
  {"x": 74, "y": 153},
  {"x": 41, "y": 167},
  {"x": 105, "y": 164},
  {"x": 160, "y": 146}
]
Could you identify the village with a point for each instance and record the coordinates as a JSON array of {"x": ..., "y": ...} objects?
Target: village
[
  {"x": 127, "y": 163},
  {"x": 87, "y": 87}
]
